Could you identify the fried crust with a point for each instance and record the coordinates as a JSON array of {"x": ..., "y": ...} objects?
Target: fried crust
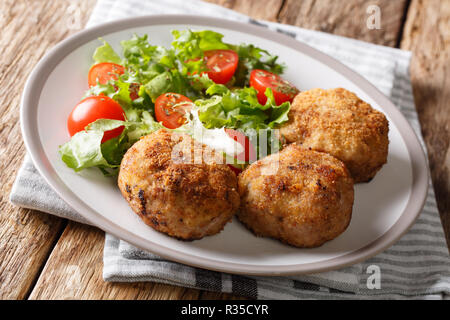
[
  {"x": 337, "y": 122},
  {"x": 301, "y": 197},
  {"x": 173, "y": 195}
]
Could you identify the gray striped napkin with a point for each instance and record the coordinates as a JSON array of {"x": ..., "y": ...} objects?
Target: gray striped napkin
[{"x": 417, "y": 266}]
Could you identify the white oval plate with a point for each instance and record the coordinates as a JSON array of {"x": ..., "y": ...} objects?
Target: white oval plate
[{"x": 384, "y": 209}]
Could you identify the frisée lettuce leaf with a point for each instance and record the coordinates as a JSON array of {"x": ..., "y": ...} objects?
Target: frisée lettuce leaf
[
  {"x": 240, "y": 109},
  {"x": 106, "y": 53},
  {"x": 85, "y": 150}
]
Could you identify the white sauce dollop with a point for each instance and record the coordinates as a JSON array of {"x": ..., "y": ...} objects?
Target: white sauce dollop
[{"x": 216, "y": 139}]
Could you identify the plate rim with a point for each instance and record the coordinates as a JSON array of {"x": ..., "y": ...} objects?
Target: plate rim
[{"x": 29, "y": 127}]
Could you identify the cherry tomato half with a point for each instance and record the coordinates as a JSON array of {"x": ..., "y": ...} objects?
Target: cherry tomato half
[
  {"x": 93, "y": 108},
  {"x": 170, "y": 109},
  {"x": 282, "y": 90},
  {"x": 221, "y": 64},
  {"x": 134, "y": 91},
  {"x": 104, "y": 72},
  {"x": 249, "y": 153}
]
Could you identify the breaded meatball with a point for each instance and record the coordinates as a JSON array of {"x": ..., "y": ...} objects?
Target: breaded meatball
[
  {"x": 337, "y": 122},
  {"x": 301, "y": 197},
  {"x": 172, "y": 194}
]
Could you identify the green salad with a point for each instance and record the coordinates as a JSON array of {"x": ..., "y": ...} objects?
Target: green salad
[{"x": 200, "y": 78}]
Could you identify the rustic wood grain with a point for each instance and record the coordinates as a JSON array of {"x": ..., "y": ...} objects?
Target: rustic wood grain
[
  {"x": 28, "y": 30},
  {"x": 427, "y": 35},
  {"x": 347, "y": 18},
  {"x": 74, "y": 271},
  {"x": 257, "y": 9}
]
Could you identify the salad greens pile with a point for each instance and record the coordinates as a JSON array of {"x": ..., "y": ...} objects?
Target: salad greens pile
[{"x": 152, "y": 70}]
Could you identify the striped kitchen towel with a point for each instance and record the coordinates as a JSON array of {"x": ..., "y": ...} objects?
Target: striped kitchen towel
[{"x": 417, "y": 266}]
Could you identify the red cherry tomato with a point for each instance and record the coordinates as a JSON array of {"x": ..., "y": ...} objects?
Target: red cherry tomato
[
  {"x": 221, "y": 65},
  {"x": 249, "y": 153},
  {"x": 104, "y": 72},
  {"x": 170, "y": 109},
  {"x": 282, "y": 90},
  {"x": 134, "y": 91},
  {"x": 94, "y": 108}
]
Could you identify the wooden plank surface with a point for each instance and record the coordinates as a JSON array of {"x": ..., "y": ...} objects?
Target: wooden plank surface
[
  {"x": 73, "y": 269},
  {"x": 427, "y": 35},
  {"x": 257, "y": 9},
  {"x": 28, "y": 30},
  {"x": 347, "y": 18}
]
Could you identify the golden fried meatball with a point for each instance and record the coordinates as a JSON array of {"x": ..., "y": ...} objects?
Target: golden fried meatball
[
  {"x": 172, "y": 194},
  {"x": 301, "y": 197},
  {"x": 337, "y": 122}
]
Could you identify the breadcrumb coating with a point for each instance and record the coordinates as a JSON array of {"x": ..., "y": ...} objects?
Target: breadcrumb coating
[
  {"x": 301, "y": 197},
  {"x": 337, "y": 122},
  {"x": 173, "y": 195}
]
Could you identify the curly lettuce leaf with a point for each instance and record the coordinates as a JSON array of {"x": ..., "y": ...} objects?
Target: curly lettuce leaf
[
  {"x": 189, "y": 47},
  {"x": 121, "y": 90},
  {"x": 106, "y": 53},
  {"x": 252, "y": 57},
  {"x": 85, "y": 149},
  {"x": 142, "y": 128},
  {"x": 278, "y": 114},
  {"x": 190, "y": 44},
  {"x": 169, "y": 81},
  {"x": 240, "y": 109}
]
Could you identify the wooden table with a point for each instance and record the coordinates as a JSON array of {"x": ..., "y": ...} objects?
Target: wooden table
[{"x": 45, "y": 257}]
